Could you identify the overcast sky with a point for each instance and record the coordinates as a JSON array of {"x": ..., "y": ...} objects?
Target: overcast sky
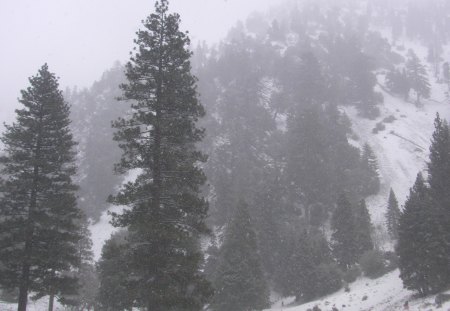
[{"x": 80, "y": 39}]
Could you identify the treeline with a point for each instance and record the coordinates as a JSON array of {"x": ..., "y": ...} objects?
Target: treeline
[{"x": 424, "y": 224}]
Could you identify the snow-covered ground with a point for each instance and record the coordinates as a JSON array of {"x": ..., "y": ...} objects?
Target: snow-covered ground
[
  {"x": 402, "y": 148},
  {"x": 383, "y": 294},
  {"x": 40, "y": 305}
]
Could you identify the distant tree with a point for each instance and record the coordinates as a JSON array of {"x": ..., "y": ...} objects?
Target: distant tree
[
  {"x": 267, "y": 212},
  {"x": 370, "y": 171},
  {"x": 343, "y": 239},
  {"x": 239, "y": 282},
  {"x": 91, "y": 115},
  {"x": 421, "y": 259},
  {"x": 307, "y": 269},
  {"x": 159, "y": 141},
  {"x": 417, "y": 76},
  {"x": 392, "y": 216},
  {"x": 303, "y": 269},
  {"x": 434, "y": 57},
  {"x": 39, "y": 217},
  {"x": 86, "y": 273},
  {"x": 446, "y": 72},
  {"x": 363, "y": 229}
]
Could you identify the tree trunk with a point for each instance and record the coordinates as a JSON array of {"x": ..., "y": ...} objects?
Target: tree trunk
[
  {"x": 24, "y": 284},
  {"x": 50, "y": 302},
  {"x": 29, "y": 232}
]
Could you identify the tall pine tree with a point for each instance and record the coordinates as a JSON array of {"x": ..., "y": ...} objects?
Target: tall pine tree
[
  {"x": 421, "y": 261},
  {"x": 158, "y": 139},
  {"x": 39, "y": 218},
  {"x": 344, "y": 243},
  {"x": 417, "y": 76},
  {"x": 239, "y": 281},
  {"x": 439, "y": 181},
  {"x": 363, "y": 229},
  {"x": 392, "y": 216}
]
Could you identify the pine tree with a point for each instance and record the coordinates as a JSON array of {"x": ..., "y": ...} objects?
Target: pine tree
[
  {"x": 88, "y": 284},
  {"x": 240, "y": 283},
  {"x": 363, "y": 228},
  {"x": 392, "y": 216},
  {"x": 417, "y": 76},
  {"x": 344, "y": 243},
  {"x": 303, "y": 268},
  {"x": 420, "y": 258},
  {"x": 116, "y": 291},
  {"x": 39, "y": 218},
  {"x": 158, "y": 139},
  {"x": 439, "y": 181},
  {"x": 370, "y": 171}
]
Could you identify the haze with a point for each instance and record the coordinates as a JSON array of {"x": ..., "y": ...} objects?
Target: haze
[{"x": 80, "y": 39}]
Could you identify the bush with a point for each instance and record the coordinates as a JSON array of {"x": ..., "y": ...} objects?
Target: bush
[
  {"x": 351, "y": 274},
  {"x": 378, "y": 128},
  {"x": 329, "y": 279},
  {"x": 389, "y": 119},
  {"x": 372, "y": 264}
]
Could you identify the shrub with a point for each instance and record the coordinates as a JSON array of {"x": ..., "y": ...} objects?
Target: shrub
[
  {"x": 372, "y": 264},
  {"x": 378, "y": 128},
  {"x": 389, "y": 119}
]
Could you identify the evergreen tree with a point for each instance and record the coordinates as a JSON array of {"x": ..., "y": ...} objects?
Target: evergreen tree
[
  {"x": 86, "y": 298},
  {"x": 267, "y": 213},
  {"x": 370, "y": 171},
  {"x": 116, "y": 291},
  {"x": 417, "y": 76},
  {"x": 392, "y": 216},
  {"x": 158, "y": 139},
  {"x": 421, "y": 260},
  {"x": 344, "y": 243},
  {"x": 39, "y": 218},
  {"x": 303, "y": 268},
  {"x": 439, "y": 181},
  {"x": 240, "y": 283},
  {"x": 363, "y": 228}
]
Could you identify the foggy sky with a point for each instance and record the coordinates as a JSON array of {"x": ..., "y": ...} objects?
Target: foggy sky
[{"x": 80, "y": 39}]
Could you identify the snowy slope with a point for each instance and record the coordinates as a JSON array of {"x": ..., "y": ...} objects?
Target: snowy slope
[
  {"x": 383, "y": 294},
  {"x": 402, "y": 149}
]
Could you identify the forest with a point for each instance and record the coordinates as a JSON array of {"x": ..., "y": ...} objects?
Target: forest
[{"x": 234, "y": 175}]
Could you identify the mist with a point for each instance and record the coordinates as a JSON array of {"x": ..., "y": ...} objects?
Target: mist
[
  {"x": 296, "y": 158},
  {"x": 80, "y": 39}
]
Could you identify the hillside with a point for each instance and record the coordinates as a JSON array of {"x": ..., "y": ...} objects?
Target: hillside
[{"x": 294, "y": 99}]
